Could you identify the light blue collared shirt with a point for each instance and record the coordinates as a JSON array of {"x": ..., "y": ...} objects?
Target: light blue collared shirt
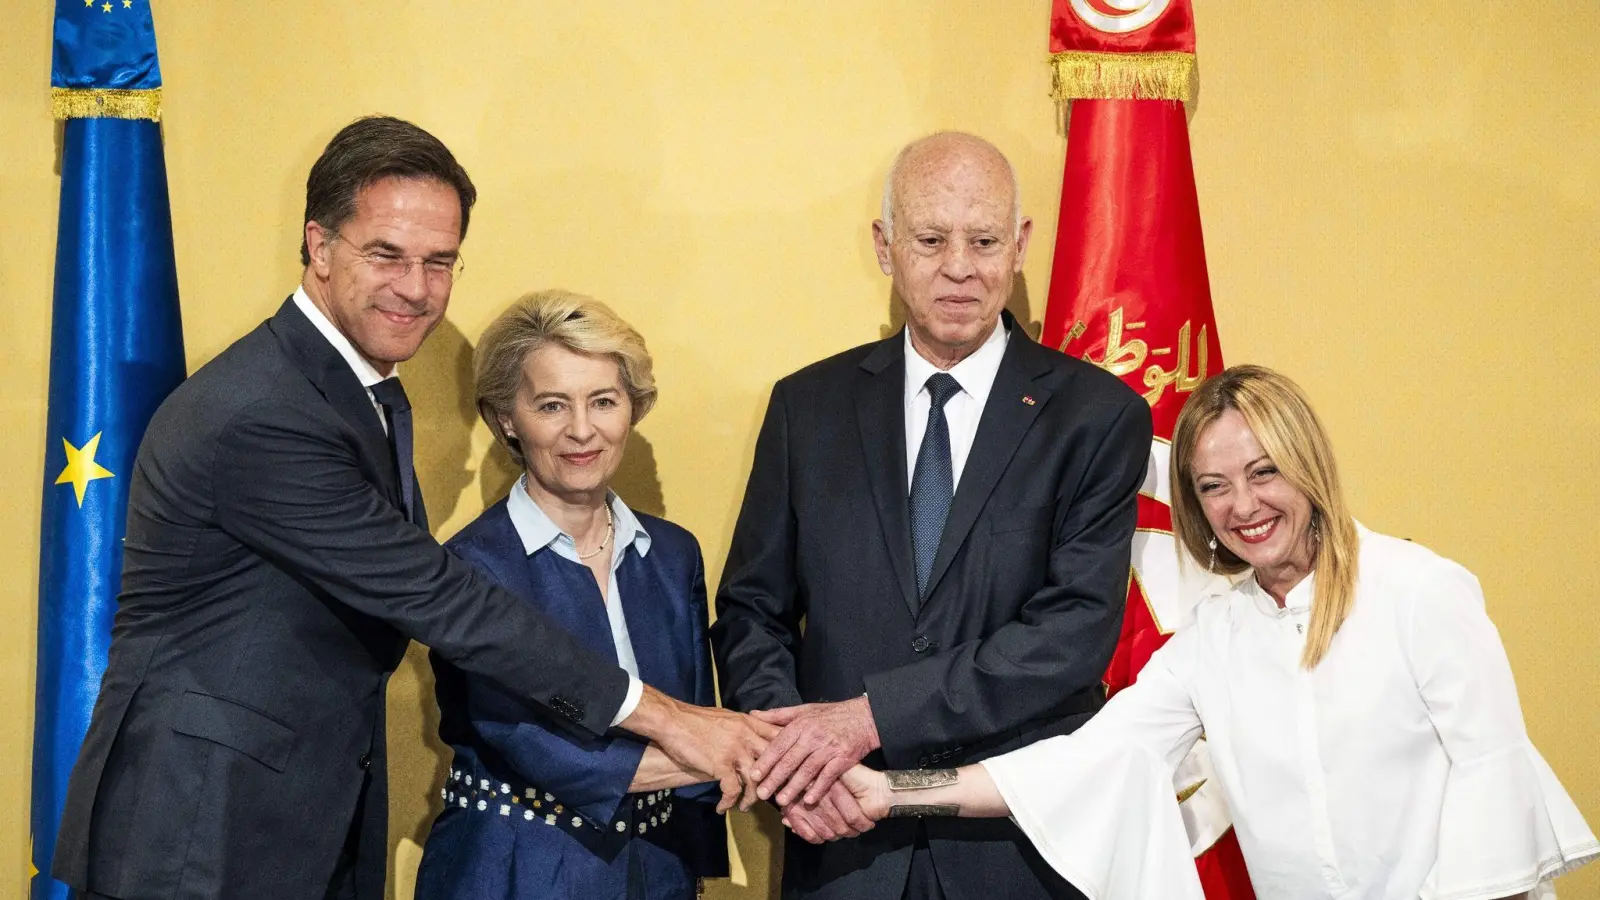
[{"x": 537, "y": 532}]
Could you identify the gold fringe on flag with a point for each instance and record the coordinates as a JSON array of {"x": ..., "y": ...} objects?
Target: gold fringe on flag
[
  {"x": 76, "y": 103},
  {"x": 1087, "y": 75}
]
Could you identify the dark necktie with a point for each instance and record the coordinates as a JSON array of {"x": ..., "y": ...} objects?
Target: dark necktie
[
  {"x": 391, "y": 395},
  {"x": 933, "y": 480}
]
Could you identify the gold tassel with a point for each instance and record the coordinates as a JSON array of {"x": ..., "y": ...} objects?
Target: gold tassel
[
  {"x": 1081, "y": 74},
  {"x": 76, "y": 103}
]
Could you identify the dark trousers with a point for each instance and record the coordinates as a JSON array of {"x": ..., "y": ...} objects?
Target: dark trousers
[{"x": 922, "y": 883}]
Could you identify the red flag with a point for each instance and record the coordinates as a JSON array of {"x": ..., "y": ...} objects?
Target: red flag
[{"x": 1129, "y": 293}]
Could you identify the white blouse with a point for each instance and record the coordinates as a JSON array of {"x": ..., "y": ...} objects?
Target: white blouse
[{"x": 1398, "y": 769}]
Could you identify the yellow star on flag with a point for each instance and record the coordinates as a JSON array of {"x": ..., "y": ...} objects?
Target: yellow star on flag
[
  {"x": 81, "y": 467},
  {"x": 107, "y": 6},
  {"x": 33, "y": 870}
]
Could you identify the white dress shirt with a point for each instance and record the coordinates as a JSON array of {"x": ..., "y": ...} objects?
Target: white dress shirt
[
  {"x": 369, "y": 376},
  {"x": 976, "y": 376},
  {"x": 365, "y": 372},
  {"x": 1398, "y": 768}
]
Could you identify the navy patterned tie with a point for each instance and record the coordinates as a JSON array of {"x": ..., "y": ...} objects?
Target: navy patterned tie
[
  {"x": 933, "y": 480},
  {"x": 391, "y": 394}
]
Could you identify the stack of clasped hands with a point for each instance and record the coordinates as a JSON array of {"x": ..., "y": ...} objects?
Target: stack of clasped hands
[{"x": 811, "y": 769}]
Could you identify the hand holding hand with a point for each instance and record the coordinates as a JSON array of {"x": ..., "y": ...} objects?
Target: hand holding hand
[
  {"x": 837, "y": 816},
  {"x": 717, "y": 743},
  {"x": 818, "y": 743},
  {"x": 870, "y": 790}
]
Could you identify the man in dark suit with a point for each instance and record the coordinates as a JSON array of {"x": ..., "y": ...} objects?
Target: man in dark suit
[
  {"x": 277, "y": 561},
  {"x": 949, "y": 512}
]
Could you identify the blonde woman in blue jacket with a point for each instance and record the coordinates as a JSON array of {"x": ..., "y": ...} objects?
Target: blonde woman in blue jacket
[{"x": 532, "y": 810}]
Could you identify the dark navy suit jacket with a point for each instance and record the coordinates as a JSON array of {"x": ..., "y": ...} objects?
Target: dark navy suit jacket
[
  {"x": 536, "y": 809},
  {"x": 1021, "y": 613},
  {"x": 270, "y": 582}
]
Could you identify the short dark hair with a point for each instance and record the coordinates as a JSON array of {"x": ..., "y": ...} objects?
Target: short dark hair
[{"x": 369, "y": 150}]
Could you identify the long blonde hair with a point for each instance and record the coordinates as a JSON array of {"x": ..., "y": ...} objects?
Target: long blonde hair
[{"x": 1282, "y": 420}]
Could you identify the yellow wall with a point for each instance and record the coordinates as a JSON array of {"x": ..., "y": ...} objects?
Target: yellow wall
[{"x": 1401, "y": 203}]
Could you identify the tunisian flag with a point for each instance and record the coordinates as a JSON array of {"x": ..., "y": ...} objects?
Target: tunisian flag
[{"x": 1128, "y": 292}]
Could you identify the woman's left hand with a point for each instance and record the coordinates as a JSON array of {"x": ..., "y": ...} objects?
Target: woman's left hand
[{"x": 870, "y": 788}]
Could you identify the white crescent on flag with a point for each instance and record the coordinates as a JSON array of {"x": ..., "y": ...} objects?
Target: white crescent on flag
[{"x": 1135, "y": 14}]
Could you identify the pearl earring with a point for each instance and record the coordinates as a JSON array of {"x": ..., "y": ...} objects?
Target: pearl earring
[{"x": 1211, "y": 564}]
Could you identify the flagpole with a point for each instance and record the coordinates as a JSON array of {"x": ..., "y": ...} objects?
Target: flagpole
[{"x": 116, "y": 350}]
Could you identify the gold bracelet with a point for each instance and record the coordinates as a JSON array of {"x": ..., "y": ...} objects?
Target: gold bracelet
[
  {"x": 920, "y": 779},
  {"x": 915, "y": 810}
]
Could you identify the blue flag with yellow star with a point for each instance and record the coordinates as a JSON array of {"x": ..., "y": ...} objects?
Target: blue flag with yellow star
[{"x": 116, "y": 350}]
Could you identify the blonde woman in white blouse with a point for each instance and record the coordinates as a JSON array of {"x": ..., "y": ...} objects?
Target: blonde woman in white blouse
[{"x": 1357, "y": 701}]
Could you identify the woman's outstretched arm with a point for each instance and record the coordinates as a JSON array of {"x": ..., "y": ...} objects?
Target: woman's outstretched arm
[{"x": 968, "y": 792}]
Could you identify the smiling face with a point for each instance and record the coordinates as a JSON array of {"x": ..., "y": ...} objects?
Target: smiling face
[
  {"x": 1252, "y": 509},
  {"x": 955, "y": 245},
  {"x": 355, "y": 277},
  {"x": 571, "y": 418}
]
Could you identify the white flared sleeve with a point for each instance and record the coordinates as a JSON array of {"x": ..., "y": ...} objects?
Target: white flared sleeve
[
  {"x": 1506, "y": 825},
  {"x": 1099, "y": 804}
]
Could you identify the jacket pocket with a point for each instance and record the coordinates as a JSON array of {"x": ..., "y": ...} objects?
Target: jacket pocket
[
  {"x": 1022, "y": 518},
  {"x": 241, "y": 728}
]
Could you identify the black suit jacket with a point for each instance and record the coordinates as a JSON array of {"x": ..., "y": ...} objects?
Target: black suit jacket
[
  {"x": 270, "y": 583},
  {"x": 1023, "y": 609}
]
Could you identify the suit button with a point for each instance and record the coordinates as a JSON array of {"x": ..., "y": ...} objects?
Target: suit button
[
  {"x": 365, "y": 761},
  {"x": 922, "y": 762},
  {"x": 920, "y": 645}
]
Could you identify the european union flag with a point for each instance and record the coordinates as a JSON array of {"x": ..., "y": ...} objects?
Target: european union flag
[{"x": 116, "y": 350}]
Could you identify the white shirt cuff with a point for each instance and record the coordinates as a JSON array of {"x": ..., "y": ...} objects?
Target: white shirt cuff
[{"x": 630, "y": 701}]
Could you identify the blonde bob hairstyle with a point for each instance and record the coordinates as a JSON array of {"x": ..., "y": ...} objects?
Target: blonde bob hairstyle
[
  {"x": 1281, "y": 418},
  {"x": 578, "y": 323}
]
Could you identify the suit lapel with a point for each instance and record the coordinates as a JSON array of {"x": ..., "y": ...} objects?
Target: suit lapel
[
  {"x": 331, "y": 376},
  {"x": 881, "y": 416},
  {"x": 1007, "y": 416}
]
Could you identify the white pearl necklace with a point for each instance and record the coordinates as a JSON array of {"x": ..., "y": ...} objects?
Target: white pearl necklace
[{"x": 610, "y": 530}]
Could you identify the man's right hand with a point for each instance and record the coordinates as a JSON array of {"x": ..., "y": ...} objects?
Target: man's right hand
[{"x": 719, "y": 743}]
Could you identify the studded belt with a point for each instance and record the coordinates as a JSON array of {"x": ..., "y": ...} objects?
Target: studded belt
[{"x": 532, "y": 805}]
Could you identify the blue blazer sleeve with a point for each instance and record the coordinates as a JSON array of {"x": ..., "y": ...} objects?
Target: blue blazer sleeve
[{"x": 589, "y": 774}]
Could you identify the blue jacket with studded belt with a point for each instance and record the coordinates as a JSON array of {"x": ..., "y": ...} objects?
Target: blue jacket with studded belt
[{"x": 533, "y": 809}]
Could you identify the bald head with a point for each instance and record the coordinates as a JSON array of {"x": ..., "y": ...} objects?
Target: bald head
[
  {"x": 937, "y": 156},
  {"x": 953, "y": 239}
]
